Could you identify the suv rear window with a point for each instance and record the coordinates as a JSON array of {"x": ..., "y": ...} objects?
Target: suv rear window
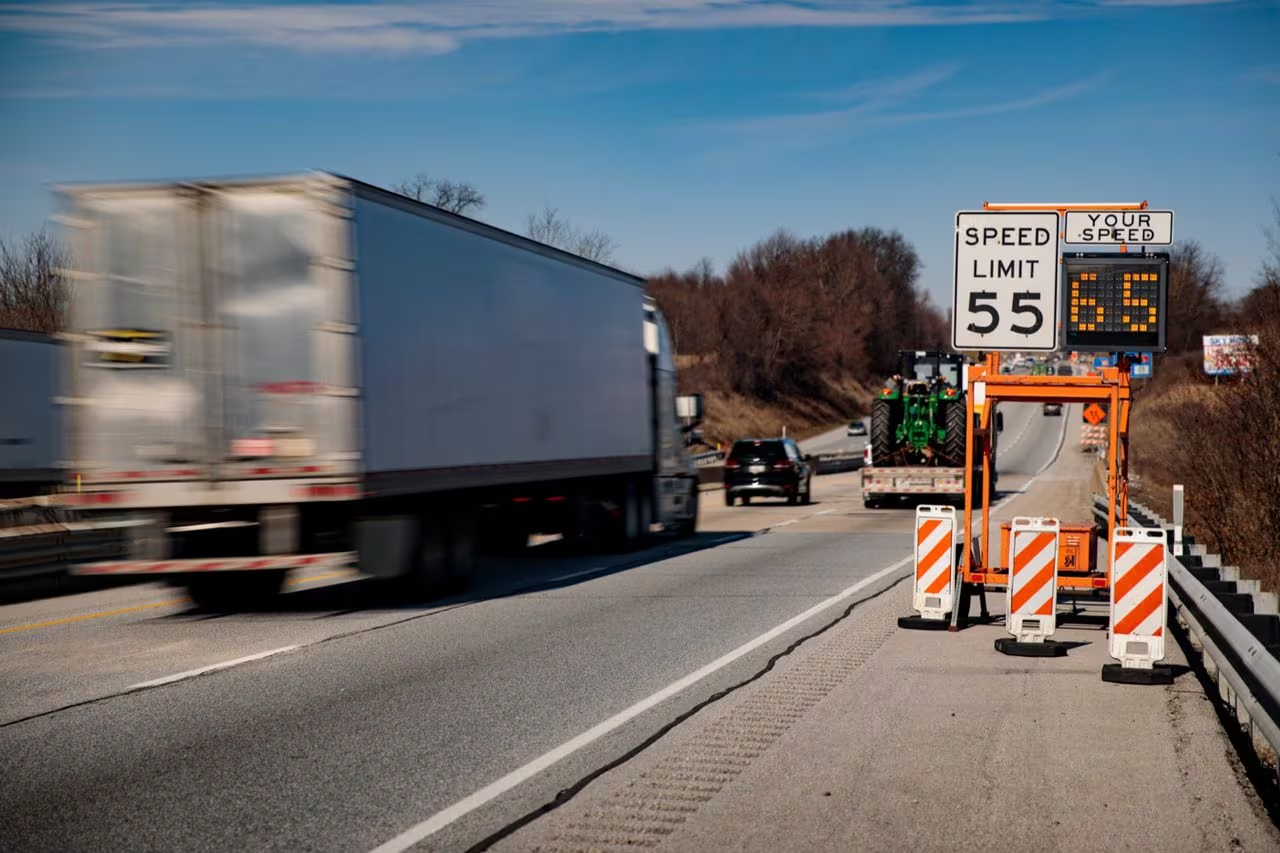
[{"x": 768, "y": 450}]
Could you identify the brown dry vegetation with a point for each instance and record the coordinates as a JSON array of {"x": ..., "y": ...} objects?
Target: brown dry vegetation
[
  {"x": 1221, "y": 440},
  {"x": 795, "y": 330}
]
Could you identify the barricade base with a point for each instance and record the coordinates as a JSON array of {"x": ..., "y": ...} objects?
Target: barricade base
[
  {"x": 919, "y": 623},
  {"x": 1046, "y": 649},
  {"x": 1119, "y": 674}
]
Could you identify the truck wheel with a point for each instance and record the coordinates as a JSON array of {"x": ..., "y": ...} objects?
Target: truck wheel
[
  {"x": 728, "y": 498},
  {"x": 882, "y": 427},
  {"x": 624, "y": 530},
  {"x": 807, "y": 497},
  {"x": 228, "y": 592},
  {"x": 462, "y": 551},
  {"x": 427, "y": 574},
  {"x": 871, "y": 503},
  {"x": 689, "y": 526}
]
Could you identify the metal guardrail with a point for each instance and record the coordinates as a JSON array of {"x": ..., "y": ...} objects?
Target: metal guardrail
[
  {"x": 702, "y": 460},
  {"x": 835, "y": 463},
  {"x": 1245, "y": 671}
]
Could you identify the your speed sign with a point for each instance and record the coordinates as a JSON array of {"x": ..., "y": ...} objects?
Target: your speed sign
[{"x": 1006, "y": 281}]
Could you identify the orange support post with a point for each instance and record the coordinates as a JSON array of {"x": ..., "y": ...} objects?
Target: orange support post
[{"x": 988, "y": 388}]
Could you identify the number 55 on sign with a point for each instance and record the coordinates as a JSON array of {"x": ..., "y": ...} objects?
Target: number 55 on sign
[{"x": 1006, "y": 281}]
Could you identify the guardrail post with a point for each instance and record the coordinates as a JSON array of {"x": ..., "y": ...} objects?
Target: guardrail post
[{"x": 1178, "y": 497}]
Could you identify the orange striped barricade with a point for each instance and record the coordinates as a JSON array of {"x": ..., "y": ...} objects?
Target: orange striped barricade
[
  {"x": 1139, "y": 600},
  {"x": 1031, "y": 596},
  {"x": 933, "y": 593}
]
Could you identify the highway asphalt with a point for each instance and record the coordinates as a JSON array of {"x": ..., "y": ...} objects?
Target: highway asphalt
[
  {"x": 835, "y": 441},
  {"x": 339, "y": 721},
  {"x": 869, "y": 737}
]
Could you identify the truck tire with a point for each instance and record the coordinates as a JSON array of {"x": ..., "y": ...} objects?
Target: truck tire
[
  {"x": 624, "y": 528},
  {"x": 229, "y": 592},
  {"x": 689, "y": 526},
  {"x": 427, "y": 575},
  {"x": 882, "y": 428},
  {"x": 956, "y": 421},
  {"x": 462, "y": 551}
]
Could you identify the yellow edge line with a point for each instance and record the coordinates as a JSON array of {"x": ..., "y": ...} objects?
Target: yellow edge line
[
  {"x": 69, "y": 619},
  {"x": 341, "y": 573},
  {"x": 52, "y": 623}
]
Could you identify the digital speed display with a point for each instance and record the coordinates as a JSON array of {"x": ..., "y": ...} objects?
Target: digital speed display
[{"x": 1114, "y": 302}]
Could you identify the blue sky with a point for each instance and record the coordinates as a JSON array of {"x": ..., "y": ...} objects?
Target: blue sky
[{"x": 683, "y": 128}]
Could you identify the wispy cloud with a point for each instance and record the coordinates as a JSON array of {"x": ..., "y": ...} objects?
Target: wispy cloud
[
  {"x": 441, "y": 26},
  {"x": 1269, "y": 75},
  {"x": 876, "y": 104}
]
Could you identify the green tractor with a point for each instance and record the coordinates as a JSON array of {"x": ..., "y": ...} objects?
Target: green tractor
[{"x": 919, "y": 416}]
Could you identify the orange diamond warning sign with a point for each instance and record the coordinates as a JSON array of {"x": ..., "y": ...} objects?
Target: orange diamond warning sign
[{"x": 1094, "y": 414}]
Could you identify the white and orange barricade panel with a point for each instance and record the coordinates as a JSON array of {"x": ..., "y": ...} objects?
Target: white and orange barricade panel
[
  {"x": 933, "y": 594},
  {"x": 1032, "y": 591},
  {"x": 1139, "y": 597}
]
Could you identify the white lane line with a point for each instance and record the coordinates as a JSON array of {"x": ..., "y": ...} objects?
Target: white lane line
[
  {"x": 1062, "y": 438},
  {"x": 582, "y": 573},
  {"x": 1026, "y": 487},
  {"x": 1026, "y": 426},
  {"x": 441, "y": 819},
  {"x": 192, "y": 673}
]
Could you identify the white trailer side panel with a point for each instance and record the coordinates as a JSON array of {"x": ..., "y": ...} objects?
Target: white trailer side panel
[
  {"x": 29, "y": 371},
  {"x": 480, "y": 352}
]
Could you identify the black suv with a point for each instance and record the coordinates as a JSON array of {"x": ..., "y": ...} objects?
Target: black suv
[{"x": 767, "y": 467}]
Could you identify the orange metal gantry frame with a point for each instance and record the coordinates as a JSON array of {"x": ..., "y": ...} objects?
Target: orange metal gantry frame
[{"x": 987, "y": 388}]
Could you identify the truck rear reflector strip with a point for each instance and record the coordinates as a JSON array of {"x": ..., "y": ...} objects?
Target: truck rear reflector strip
[
  {"x": 94, "y": 498},
  {"x": 339, "y": 490},
  {"x": 157, "y": 474},
  {"x": 239, "y": 564}
]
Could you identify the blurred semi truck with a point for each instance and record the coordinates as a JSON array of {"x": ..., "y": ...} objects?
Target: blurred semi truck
[
  {"x": 309, "y": 370},
  {"x": 29, "y": 445}
]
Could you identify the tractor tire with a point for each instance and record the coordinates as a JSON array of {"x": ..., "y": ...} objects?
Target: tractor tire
[
  {"x": 882, "y": 429},
  {"x": 956, "y": 421}
]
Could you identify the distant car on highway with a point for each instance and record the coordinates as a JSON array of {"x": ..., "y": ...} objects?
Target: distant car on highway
[
  {"x": 1052, "y": 409},
  {"x": 767, "y": 467},
  {"x": 858, "y": 427}
]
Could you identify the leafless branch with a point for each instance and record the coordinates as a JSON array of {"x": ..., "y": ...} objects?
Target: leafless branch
[
  {"x": 33, "y": 295},
  {"x": 548, "y": 226},
  {"x": 453, "y": 196}
]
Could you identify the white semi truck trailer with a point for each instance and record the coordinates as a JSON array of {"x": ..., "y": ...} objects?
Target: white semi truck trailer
[{"x": 307, "y": 370}]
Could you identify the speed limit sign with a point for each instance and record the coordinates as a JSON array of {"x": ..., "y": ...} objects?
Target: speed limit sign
[{"x": 1006, "y": 281}]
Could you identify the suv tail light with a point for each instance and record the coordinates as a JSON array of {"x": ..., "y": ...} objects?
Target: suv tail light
[
  {"x": 781, "y": 466},
  {"x": 731, "y": 466}
]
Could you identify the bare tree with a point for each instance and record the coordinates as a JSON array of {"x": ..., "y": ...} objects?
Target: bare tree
[
  {"x": 453, "y": 196},
  {"x": 33, "y": 294},
  {"x": 548, "y": 226}
]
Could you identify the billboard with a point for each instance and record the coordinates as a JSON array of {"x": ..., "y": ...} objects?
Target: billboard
[{"x": 1228, "y": 354}]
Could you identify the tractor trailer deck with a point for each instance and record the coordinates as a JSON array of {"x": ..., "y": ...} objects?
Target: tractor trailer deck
[
  {"x": 308, "y": 369},
  {"x": 918, "y": 433}
]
